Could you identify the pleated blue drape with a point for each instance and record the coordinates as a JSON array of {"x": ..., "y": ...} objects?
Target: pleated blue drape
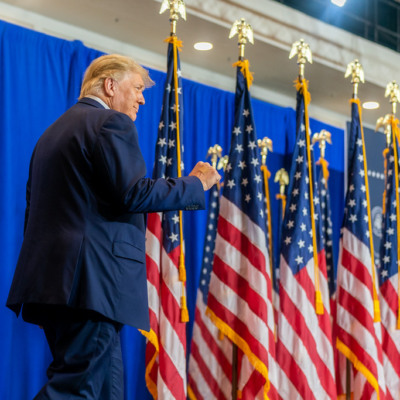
[{"x": 40, "y": 77}]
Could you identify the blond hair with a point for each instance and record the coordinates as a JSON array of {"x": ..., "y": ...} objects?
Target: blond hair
[{"x": 110, "y": 66}]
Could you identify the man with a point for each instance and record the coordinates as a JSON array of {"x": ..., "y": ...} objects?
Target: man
[{"x": 81, "y": 271}]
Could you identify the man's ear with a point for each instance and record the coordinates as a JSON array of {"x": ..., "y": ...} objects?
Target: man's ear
[{"x": 109, "y": 86}]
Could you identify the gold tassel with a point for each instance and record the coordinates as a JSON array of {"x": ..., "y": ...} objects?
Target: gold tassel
[
  {"x": 283, "y": 198},
  {"x": 377, "y": 311},
  {"x": 245, "y": 70},
  {"x": 184, "y": 310},
  {"x": 325, "y": 171},
  {"x": 384, "y": 153},
  {"x": 319, "y": 305},
  {"x": 220, "y": 335},
  {"x": 182, "y": 269}
]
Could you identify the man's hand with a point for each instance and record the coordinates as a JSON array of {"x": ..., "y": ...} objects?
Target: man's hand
[{"x": 206, "y": 173}]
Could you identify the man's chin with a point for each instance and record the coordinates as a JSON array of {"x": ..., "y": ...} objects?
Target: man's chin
[{"x": 132, "y": 117}]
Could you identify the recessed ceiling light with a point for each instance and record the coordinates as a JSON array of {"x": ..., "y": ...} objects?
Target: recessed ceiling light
[
  {"x": 339, "y": 3},
  {"x": 203, "y": 46},
  {"x": 371, "y": 105}
]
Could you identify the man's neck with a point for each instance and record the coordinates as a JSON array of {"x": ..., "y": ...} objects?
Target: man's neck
[{"x": 99, "y": 99}]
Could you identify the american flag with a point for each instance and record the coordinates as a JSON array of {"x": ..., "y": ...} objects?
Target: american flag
[
  {"x": 210, "y": 362},
  {"x": 239, "y": 298},
  {"x": 166, "y": 346},
  {"x": 388, "y": 280},
  {"x": 358, "y": 336},
  {"x": 304, "y": 347}
]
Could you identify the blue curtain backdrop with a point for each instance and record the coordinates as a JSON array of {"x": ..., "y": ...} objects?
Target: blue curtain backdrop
[{"x": 40, "y": 78}]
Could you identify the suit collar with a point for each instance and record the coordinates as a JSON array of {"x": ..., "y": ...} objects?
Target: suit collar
[{"x": 91, "y": 102}]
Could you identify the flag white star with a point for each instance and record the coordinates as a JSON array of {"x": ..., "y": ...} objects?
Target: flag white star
[
  {"x": 239, "y": 148},
  {"x": 245, "y": 182},
  {"x": 174, "y": 108},
  {"x": 388, "y": 245},
  {"x": 288, "y": 240},
  {"x": 162, "y": 142},
  {"x": 386, "y": 259},
  {"x": 353, "y": 218},
  {"x": 237, "y": 130},
  {"x": 301, "y": 143},
  {"x": 352, "y": 203},
  {"x": 247, "y": 198},
  {"x": 171, "y": 143},
  {"x": 293, "y": 207},
  {"x": 290, "y": 224},
  {"x": 249, "y": 128},
  {"x": 175, "y": 218},
  {"x": 246, "y": 113},
  {"x": 173, "y": 237},
  {"x": 242, "y": 165},
  {"x": 254, "y": 161},
  {"x": 231, "y": 183},
  {"x": 252, "y": 144},
  {"x": 301, "y": 243},
  {"x": 257, "y": 178},
  {"x": 299, "y": 260},
  {"x": 163, "y": 159},
  {"x": 172, "y": 125},
  {"x": 161, "y": 125}
]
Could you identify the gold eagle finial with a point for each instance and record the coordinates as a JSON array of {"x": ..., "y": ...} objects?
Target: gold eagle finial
[
  {"x": 264, "y": 144},
  {"x": 282, "y": 177},
  {"x": 303, "y": 51},
  {"x": 215, "y": 152},
  {"x": 322, "y": 138},
  {"x": 356, "y": 71},
  {"x": 244, "y": 32}
]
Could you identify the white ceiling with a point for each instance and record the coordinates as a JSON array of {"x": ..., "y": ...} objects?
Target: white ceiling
[{"x": 138, "y": 23}]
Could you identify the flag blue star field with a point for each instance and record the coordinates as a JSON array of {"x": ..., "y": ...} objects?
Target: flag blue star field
[
  {"x": 389, "y": 284},
  {"x": 358, "y": 336},
  {"x": 166, "y": 347},
  {"x": 326, "y": 215},
  {"x": 304, "y": 347},
  {"x": 239, "y": 298},
  {"x": 210, "y": 362}
]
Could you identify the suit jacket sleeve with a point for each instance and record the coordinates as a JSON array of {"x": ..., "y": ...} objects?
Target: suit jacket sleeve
[{"x": 120, "y": 169}]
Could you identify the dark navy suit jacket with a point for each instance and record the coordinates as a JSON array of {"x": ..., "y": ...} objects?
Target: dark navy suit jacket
[{"x": 84, "y": 242}]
